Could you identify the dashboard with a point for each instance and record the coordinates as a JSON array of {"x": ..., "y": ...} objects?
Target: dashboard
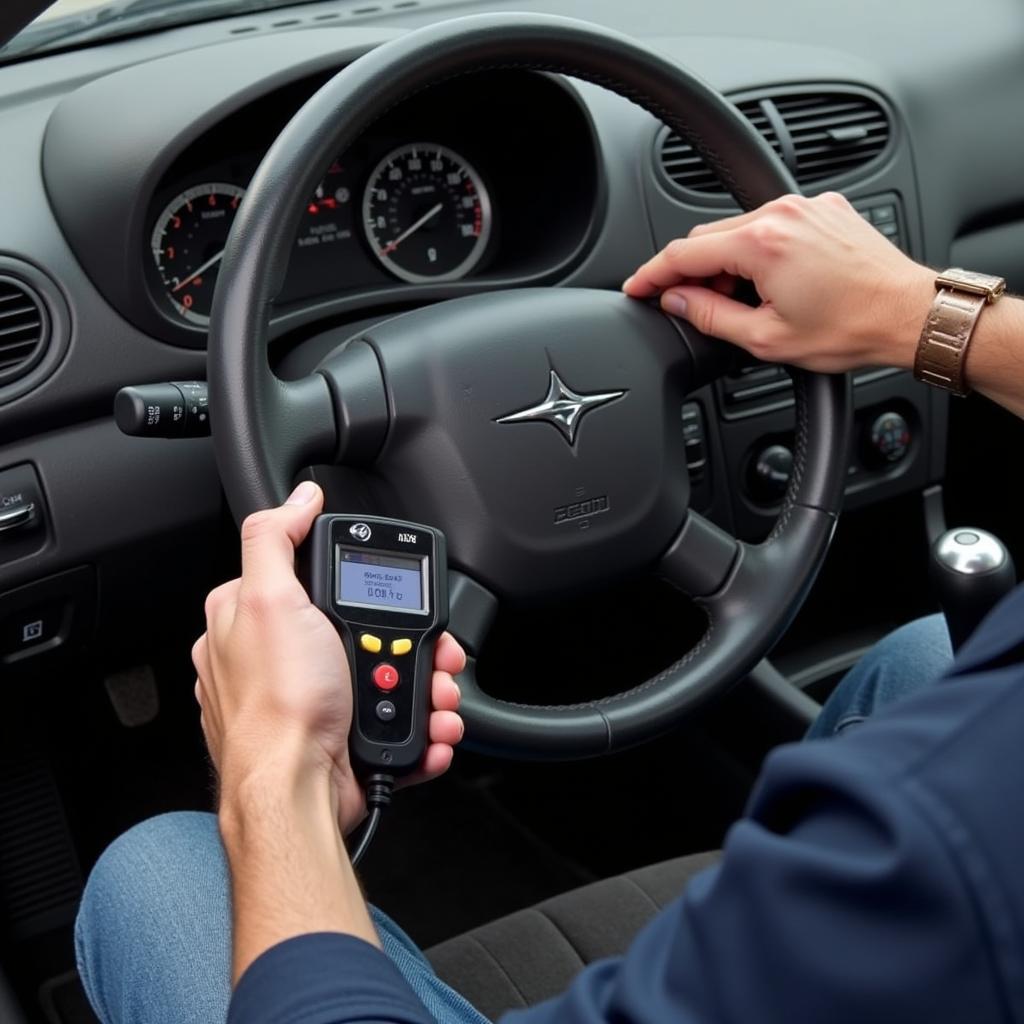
[{"x": 123, "y": 165}]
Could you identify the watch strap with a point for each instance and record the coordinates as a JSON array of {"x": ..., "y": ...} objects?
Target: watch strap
[{"x": 942, "y": 348}]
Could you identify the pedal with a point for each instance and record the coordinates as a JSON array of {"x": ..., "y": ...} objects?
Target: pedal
[{"x": 133, "y": 695}]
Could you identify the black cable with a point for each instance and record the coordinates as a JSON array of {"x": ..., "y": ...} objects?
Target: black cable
[{"x": 378, "y": 796}]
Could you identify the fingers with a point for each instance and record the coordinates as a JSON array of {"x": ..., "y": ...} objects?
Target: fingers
[
  {"x": 220, "y": 605},
  {"x": 446, "y": 727},
  {"x": 269, "y": 537},
  {"x": 201, "y": 655},
  {"x": 444, "y": 692},
  {"x": 716, "y": 248},
  {"x": 436, "y": 761},
  {"x": 449, "y": 655},
  {"x": 717, "y": 315},
  {"x": 702, "y": 256}
]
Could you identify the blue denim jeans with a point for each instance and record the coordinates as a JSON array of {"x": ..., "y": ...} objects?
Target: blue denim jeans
[{"x": 153, "y": 937}]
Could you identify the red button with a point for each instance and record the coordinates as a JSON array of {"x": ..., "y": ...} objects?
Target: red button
[{"x": 385, "y": 676}]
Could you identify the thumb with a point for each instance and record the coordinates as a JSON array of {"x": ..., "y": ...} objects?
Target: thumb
[
  {"x": 717, "y": 315},
  {"x": 270, "y": 537}
]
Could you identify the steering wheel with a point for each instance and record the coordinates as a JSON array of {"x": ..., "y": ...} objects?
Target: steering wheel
[{"x": 538, "y": 428}]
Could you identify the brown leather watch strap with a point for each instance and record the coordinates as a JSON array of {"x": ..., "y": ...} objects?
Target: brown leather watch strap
[{"x": 942, "y": 348}]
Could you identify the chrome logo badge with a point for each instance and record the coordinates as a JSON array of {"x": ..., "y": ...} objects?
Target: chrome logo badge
[
  {"x": 360, "y": 531},
  {"x": 562, "y": 408}
]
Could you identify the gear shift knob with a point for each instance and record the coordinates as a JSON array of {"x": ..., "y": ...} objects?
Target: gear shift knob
[{"x": 971, "y": 571}]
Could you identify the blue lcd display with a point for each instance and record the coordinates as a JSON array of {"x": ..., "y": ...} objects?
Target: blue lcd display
[{"x": 370, "y": 579}]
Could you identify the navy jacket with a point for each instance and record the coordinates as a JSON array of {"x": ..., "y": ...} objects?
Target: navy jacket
[{"x": 875, "y": 877}]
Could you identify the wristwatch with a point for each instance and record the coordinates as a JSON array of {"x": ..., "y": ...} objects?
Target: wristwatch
[{"x": 942, "y": 348}]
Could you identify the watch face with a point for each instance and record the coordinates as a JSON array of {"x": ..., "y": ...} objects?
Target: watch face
[{"x": 970, "y": 281}]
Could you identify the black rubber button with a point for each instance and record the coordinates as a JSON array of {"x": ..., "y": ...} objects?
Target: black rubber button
[{"x": 386, "y": 711}]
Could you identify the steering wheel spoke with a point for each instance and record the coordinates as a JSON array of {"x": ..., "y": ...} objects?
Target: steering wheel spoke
[
  {"x": 710, "y": 358},
  {"x": 701, "y": 557},
  {"x": 306, "y": 431},
  {"x": 472, "y": 608}
]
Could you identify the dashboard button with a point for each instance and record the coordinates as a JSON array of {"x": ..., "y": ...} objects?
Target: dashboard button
[
  {"x": 32, "y": 630},
  {"x": 769, "y": 473},
  {"x": 887, "y": 440},
  {"x": 385, "y": 677}
]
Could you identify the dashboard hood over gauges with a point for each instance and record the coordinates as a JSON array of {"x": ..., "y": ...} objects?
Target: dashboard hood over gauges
[
  {"x": 115, "y": 153},
  {"x": 445, "y": 195}
]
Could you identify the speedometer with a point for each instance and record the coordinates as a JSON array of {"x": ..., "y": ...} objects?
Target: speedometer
[
  {"x": 427, "y": 214},
  {"x": 188, "y": 242}
]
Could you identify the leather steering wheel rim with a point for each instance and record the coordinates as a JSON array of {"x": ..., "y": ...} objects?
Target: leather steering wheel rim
[{"x": 265, "y": 429}]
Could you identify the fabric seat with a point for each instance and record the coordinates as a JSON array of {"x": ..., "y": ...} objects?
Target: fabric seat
[{"x": 533, "y": 954}]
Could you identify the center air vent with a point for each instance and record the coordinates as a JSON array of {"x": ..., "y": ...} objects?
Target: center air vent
[
  {"x": 820, "y": 135},
  {"x": 24, "y": 329}
]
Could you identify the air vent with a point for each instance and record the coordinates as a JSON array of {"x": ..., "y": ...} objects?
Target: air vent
[
  {"x": 688, "y": 170},
  {"x": 24, "y": 329},
  {"x": 819, "y": 136},
  {"x": 832, "y": 134}
]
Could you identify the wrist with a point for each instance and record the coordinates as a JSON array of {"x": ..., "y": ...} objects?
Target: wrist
[
  {"x": 284, "y": 790},
  {"x": 909, "y": 300}
]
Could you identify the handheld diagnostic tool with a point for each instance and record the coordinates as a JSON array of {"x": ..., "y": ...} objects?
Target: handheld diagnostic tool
[{"x": 383, "y": 583}]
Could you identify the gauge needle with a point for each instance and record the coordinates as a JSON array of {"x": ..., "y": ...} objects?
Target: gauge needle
[
  {"x": 394, "y": 243},
  {"x": 195, "y": 273}
]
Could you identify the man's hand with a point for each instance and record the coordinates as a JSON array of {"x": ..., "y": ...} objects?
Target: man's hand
[
  {"x": 274, "y": 683},
  {"x": 836, "y": 295}
]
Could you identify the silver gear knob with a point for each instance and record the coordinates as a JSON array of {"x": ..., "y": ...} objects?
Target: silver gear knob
[{"x": 972, "y": 571}]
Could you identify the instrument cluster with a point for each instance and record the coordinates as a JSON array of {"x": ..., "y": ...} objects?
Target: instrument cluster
[{"x": 447, "y": 189}]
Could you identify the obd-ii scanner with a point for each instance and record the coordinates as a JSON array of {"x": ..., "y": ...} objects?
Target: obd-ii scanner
[{"x": 383, "y": 583}]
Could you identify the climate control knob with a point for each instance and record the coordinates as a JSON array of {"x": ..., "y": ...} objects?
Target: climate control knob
[
  {"x": 887, "y": 439},
  {"x": 769, "y": 472}
]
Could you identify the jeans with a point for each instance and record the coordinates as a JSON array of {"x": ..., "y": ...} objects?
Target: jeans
[{"x": 153, "y": 936}]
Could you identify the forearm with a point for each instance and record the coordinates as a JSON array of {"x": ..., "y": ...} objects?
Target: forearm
[
  {"x": 290, "y": 872},
  {"x": 995, "y": 357}
]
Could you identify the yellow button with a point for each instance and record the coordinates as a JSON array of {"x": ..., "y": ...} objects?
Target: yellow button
[
  {"x": 370, "y": 643},
  {"x": 400, "y": 647}
]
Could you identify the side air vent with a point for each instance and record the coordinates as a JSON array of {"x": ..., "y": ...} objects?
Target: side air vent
[
  {"x": 35, "y": 328},
  {"x": 24, "y": 329},
  {"x": 820, "y": 135}
]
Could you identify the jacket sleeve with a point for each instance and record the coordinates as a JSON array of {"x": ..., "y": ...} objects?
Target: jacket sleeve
[
  {"x": 324, "y": 978},
  {"x": 836, "y": 900}
]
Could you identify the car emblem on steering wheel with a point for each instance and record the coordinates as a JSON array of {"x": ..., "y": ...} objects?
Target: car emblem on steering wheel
[{"x": 562, "y": 408}]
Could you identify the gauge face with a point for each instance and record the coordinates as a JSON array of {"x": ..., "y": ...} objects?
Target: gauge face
[
  {"x": 188, "y": 242},
  {"x": 427, "y": 214}
]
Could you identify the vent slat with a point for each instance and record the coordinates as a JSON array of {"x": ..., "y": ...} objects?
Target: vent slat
[
  {"x": 22, "y": 329},
  {"x": 11, "y": 329},
  {"x": 869, "y": 119},
  {"x": 868, "y": 148},
  {"x": 9, "y": 312},
  {"x": 809, "y": 118}
]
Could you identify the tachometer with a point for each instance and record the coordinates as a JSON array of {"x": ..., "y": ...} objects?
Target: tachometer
[
  {"x": 427, "y": 213},
  {"x": 188, "y": 243}
]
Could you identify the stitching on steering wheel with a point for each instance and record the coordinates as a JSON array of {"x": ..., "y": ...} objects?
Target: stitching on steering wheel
[
  {"x": 647, "y": 684},
  {"x": 802, "y": 438}
]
